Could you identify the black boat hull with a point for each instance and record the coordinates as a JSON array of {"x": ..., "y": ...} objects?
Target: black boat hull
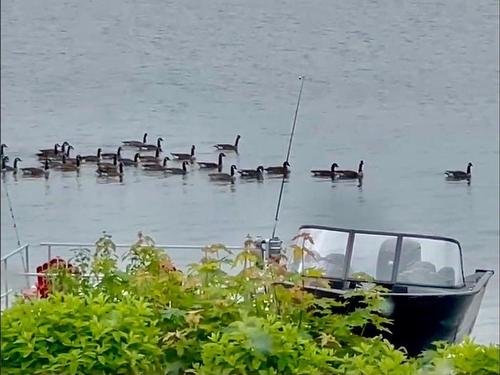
[{"x": 419, "y": 319}]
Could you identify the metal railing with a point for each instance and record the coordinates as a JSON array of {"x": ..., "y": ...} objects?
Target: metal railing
[
  {"x": 7, "y": 291},
  {"x": 55, "y": 249}
]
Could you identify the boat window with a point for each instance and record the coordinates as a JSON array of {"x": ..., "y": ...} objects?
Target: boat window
[
  {"x": 430, "y": 262},
  {"x": 372, "y": 257},
  {"x": 326, "y": 252}
]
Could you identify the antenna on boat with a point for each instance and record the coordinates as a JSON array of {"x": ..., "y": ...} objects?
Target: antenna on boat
[{"x": 276, "y": 218}]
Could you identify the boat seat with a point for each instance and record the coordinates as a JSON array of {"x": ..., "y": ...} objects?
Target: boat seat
[
  {"x": 425, "y": 273},
  {"x": 410, "y": 253},
  {"x": 333, "y": 264}
]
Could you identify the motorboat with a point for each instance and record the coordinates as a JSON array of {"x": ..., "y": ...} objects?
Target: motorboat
[{"x": 427, "y": 294}]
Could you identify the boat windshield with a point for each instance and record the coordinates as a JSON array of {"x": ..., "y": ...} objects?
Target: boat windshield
[{"x": 378, "y": 256}]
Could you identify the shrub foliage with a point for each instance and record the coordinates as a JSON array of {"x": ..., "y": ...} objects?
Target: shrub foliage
[{"x": 154, "y": 319}]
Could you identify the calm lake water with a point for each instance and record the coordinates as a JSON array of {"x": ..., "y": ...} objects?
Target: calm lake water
[{"x": 412, "y": 88}]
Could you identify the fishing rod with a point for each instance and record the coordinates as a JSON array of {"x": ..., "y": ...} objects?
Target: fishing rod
[
  {"x": 4, "y": 185},
  {"x": 276, "y": 218},
  {"x": 11, "y": 213}
]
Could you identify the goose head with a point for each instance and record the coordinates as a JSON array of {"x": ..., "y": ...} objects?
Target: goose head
[
  {"x": 165, "y": 159},
  {"x": 260, "y": 169},
  {"x": 233, "y": 168},
  {"x": 159, "y": 141},
  {"x": 69, "y": 149},
  {"x": 16, "y": 160},
  {"x": 334, "y": 165},
  {"x": 286, "y": 164},
  {"x": 144, "y": 137},
  {"x": 136, "y": 157}
]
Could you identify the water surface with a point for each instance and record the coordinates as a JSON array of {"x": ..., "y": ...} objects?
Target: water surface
[{"x": 409, "y": 87}]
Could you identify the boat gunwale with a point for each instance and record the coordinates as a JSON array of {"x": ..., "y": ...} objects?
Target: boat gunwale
[{"x": 478, "y": 285}]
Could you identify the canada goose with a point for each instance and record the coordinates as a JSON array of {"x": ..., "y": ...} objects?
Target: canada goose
[
  {"x": 227, "y": 146},
  {"x": 182, "y": 170},
  {"x": 37, "y": 172},
  {"x": 73, "y": 160},
  {"x": 64, "y": 151},
  {"x": 325, "y": 172},
  {"x": 1, "y": 148},
  {"x": 70, "y": 167},
  {"x": 208, "y": 165},
  {"x": 136, "y": 143},
  {"x": 108, "y": 166},
  {"x": 93, "y": 158},
  {"x": 157, "y": 167},
  {"x": 56, "y": 163},
  {"x": 116, "y": 172},
  {"x": 149, "y": 158},
  {"x": 131, "y": 162},
  {"x": 5, "y": 159},
  {"x": 49, "y": 152},
  {"x": 109, "y": 155},
  {"x": 8, "y": 168},
  {"x": 279, "y": 170},
  {"x": 150, "y": 147},
  {"x": 223, "y": 176},
  {"x": 181, "y": 156},
  {"x": 252, "y": 173},
  {"x": 459, "y": 175},
  {"x": 52, "y": 150},
  {"x": 348, "y": 174}
]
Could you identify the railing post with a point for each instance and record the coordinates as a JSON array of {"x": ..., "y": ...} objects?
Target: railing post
[
  {"x": 27, "y": 255},
  {"x": 49, "y": 252},
  {"x": 6, "y": 286}
]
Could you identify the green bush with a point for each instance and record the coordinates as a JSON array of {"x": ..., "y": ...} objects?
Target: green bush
[
  {"x": 154, "y": 319},
  {"x": 69, "y": 334}
]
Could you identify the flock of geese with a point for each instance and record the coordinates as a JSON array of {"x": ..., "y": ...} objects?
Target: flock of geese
[{"x": 112, "y": 164}]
